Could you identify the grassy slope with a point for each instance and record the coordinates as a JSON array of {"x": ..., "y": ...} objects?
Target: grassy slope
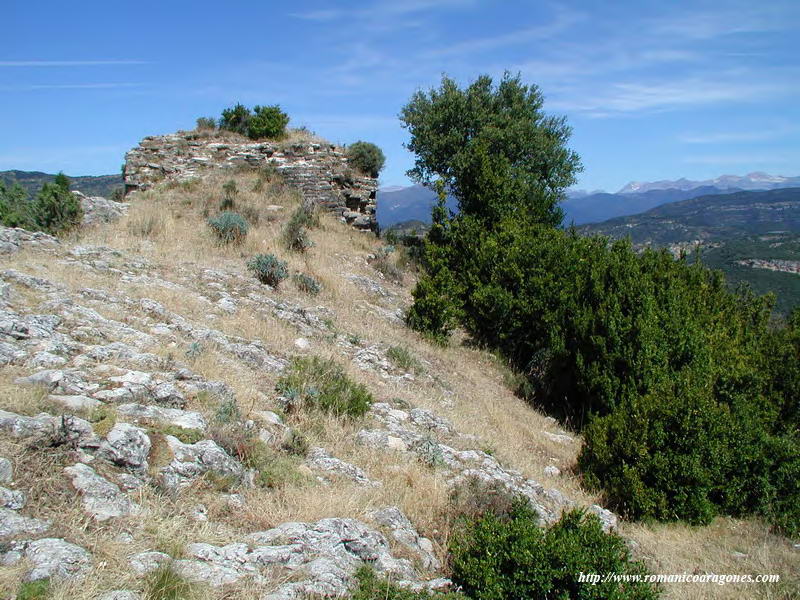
[{"x": 166, "y": 226}]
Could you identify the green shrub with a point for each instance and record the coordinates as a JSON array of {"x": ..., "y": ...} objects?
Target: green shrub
[
  {"x": 55, "y": 208},
  {"x": 15, "y": 209},
  {"x": 227, "y": 411},
  {"x": 226, "y": 204},
  {"x": 236, "y": 119},
  {"x": 366, "y": 157},
  {"x": 295, "y": 234},
  {"x": 320, "y": 384},
  {"x": 206, "y": 123},
  {"x": 268, "y": 269},
  {"x": 495, "y": 557},
  {"x": 34, "y": 590},
  {"x": 372, "y": 587},
  {"x": 229, "y": 191},
  {"x": 229, "y": 227},
  {"x": 662, "y": 455},
  {"x": 166, "y": 584},
  {"x": 306, "y": 283},
  {"x": 267, "y": 122},
  {"x": 403, "y": 359},
  {"x": 295, "y": 443}
]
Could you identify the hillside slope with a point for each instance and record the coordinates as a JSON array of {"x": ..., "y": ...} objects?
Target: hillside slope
[
  {"x": 708, "y": 218},
  {"x": 753, "y": 237},
  {"x": 127, "y": 346},
  {"x": 90, "y": 185}
]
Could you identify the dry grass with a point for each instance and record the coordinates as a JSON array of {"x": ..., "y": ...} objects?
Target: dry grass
[{"x": 167, "y": 227}]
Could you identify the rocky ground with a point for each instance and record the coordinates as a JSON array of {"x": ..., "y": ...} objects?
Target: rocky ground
[{"x": 119, "y": 347}]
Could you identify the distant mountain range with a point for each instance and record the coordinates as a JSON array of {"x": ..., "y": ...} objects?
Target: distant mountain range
[
  {"x": 400, "y": 204},
  {"x": 752, "y": 181},
  {"x": 99, "y": 185},
  {"x": 708, "y": 218}
]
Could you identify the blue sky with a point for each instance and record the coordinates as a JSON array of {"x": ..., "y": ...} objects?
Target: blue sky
[{"x": 652, "y": 90}]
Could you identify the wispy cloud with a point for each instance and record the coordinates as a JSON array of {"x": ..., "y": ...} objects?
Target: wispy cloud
[
  {"x": 69, "y": 63},
  {"x": 632, "y": 97},
  {"x": 67, "y": 86},
  {"x": 739, "y": 159},
  {"x": 731, "y": 19},
  {"x": 381, "y": 12},
  {"x": 736, "y": 136},
  {"x": 562, "y": 22}
]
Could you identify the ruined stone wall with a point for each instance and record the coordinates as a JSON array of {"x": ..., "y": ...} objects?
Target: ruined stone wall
[{"x": 319, "y": 170}]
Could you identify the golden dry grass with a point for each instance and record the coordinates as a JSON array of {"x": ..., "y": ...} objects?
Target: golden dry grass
[{"x": 166, "y": 226}]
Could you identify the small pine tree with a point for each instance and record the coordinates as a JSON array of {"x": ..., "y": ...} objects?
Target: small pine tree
[{"x": 55, "y": 209}]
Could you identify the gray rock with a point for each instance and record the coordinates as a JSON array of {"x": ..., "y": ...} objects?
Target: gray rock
[
  {"x": 319, "y": 459},
  {"x": 126, "y": 445},
  {"x": 10, "y": 354},
  {"x": 102, "y": 499},
  {"x": 403, "y": 531},
  {"x": 6, "y": 470},
  {"x": 97, "y": 209},
  {"x": 29, "y": 327},
  {"x": 120, "y": 595},
  {"x": 377, "y": 438},
  {"x": 193, "y": 460},
  {"x": 13, "y": 239},
  {"x": 76, "y": 402},
  {"x": 171, "y": 416},
  {"x": 145, "y": 562},
  {"x": 45, "y": 360},
  {"x": 552, "y": 471},
  {"x": 56, "y": 558},
  {"x": 13, "y": 499},
  {"x": 19, "y": 426},
  {"x": 322, "y": 556},
  {"x": 167, "y": 394}
]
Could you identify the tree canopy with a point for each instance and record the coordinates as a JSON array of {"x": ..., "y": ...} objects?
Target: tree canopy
[{"x": 493, "y": 147}]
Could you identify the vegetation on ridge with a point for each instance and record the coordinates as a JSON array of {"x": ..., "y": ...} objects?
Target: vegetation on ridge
[
  {"x": 686, "y": 411},
  {"x": 54, "y": 209}
]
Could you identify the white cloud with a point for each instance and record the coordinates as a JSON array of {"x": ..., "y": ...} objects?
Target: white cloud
[
  {"x": 69, "y": 63},
  {"x": 631, "y": 97},
  {"x": 563, "y": 21},
  {"x": 739, "y": 159},
  {"x": 67, "y": 86},
  {"x": 736, "y": 136}
]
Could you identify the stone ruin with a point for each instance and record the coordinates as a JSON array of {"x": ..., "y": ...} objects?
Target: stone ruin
[{"x": 319, "y": 169}]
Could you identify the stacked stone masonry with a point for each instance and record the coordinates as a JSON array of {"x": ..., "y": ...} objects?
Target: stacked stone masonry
[{"x": 319, "y": 170}]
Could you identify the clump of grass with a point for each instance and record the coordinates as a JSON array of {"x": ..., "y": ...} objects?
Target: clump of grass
[
  {"x": 186, "y": 436},
  {"x": 386, "y": 267},
  {"x": 295, "y": 233},
  {"x": 146, "y": 225},
  {"x": 372, "y": 587},
  {"x": 403, "y": 359},
  {"x": 321, "y": 384},
  {"x": 34, "y": 590},
  {"x": 251, "y": 213},
  {"x": 166, "y": 584},
  {"x": 103, "y": 419},
  {"x": 306, "y": 283},
  {"x": 295, "y": 443},
  {"x": 280, "y": 471}
]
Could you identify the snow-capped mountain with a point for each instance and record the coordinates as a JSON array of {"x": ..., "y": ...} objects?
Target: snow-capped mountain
[{"x": 752, "y": 181}]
